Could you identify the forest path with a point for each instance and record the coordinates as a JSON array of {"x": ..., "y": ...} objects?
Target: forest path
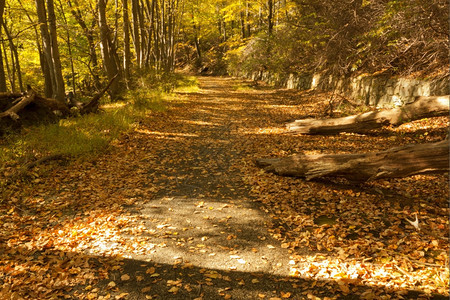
[
  {"x": 208, "y": 236},
  {"x": 176, "y": 209}
]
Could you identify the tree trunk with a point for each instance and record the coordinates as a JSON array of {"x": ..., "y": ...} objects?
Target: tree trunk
[
  {"x": 59, "y": 93},
  {"x": 108, "y": 52},
  {"x": 49, "y": 75},
  {"x": 126, "y": 42},
  {"x": 3, "y": 87},
  {"x": 423, "y": 107},
  {"x": 136, "y": 33},
  {"x": 270, "y": 16},
  {"x": 89, "y": 34},
  {"x": 392, "y": 163},
  {"x": 14, "y": 57},
  {"x": 69, "y": 47}
]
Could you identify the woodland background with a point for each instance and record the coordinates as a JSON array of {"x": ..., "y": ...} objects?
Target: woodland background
[
  {"x": 60, "y": 46},
  {"x": 95, "y": 205}
]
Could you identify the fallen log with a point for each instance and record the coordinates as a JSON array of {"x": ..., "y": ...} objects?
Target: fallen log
[
  {"x": 423, "y": 107},
  {"x": 396, "y": 162},
  {"x": 52, "y": 104},
  {"x": 13, "y": 111}
]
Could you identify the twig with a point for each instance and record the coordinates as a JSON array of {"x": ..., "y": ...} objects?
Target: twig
[
  {"x": 402, "y": 271},
  {"x": 424, "y": 263},
  {"x": 44, "y": 159}
]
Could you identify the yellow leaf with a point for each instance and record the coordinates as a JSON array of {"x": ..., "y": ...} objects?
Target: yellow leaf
[
  {"x": 174, "y": 290},
  {"x": 125, "y": 277},
  {"x": 111, "y": 284},
  {"x": 285, "y": 295},
  {"x": 344, "y": 288},
  {"x": 150, "y": 270},
  {"x": 255, "y": 280},
  {"x": 122, "y": 296}
]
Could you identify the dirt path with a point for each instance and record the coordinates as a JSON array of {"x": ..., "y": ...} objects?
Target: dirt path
[
  {"x": 177, "y": 210},
  {"x": 201, "y": 214},
  {"x": 204, "y": 220}
]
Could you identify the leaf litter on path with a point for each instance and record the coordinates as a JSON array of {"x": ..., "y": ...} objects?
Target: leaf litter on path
[{"x": 177, "y": 210}]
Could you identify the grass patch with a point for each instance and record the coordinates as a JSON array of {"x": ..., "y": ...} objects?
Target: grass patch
[{"x": 90, "y": 134}]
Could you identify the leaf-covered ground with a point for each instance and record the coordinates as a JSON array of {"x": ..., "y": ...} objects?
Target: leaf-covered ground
[{"x": 178, "y": 210}]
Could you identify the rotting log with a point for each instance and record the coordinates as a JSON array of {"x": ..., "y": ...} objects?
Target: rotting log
[
  {"x": 423, "y": 107},
  {"x": 51, "y": 104},
  {"x": 396, "y": 162},
  {"x": 13, "y": 111}
]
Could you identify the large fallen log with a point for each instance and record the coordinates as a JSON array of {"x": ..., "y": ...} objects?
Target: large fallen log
[
  {"x": 13, "y": 111},
  {"x": 392, "y": 163},
  {"x": 423, "y": 107},
  {"x": 49, "y": 103}
]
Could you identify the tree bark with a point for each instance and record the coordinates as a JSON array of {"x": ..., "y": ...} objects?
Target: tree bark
[
  {"x": 423, "y": 107},
  {"x": 392, "y": 163}
]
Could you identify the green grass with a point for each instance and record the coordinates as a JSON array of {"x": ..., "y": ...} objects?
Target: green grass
[{"x": 88, "y": 135}]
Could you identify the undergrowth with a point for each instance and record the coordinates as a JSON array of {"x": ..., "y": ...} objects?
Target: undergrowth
[{"x": 88, "y": 135}]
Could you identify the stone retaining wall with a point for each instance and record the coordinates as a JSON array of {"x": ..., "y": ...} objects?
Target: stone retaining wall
[{"x": 375, "y": 90}]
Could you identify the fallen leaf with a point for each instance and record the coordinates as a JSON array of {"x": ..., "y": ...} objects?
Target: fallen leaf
[{"x": 125, "y": 277}]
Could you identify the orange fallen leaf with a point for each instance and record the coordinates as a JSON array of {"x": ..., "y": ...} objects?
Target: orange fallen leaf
[{"x": 125, "y": 277}]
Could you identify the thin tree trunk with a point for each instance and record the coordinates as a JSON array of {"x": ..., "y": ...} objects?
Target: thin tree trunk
[
  {"x": 14, "y": 60},
  {"x": 8, "y": 68},
  {"x": 69, "y": 47},
  {"x": 49, "y": 76},
  {"x": 88, "y": 33},
  {"x": 60, "y": 93},
  {"x": 3, "y": 87},
  {"x": 143, "y": 32},
  {"x": 270, "y": 16},
  {"x": 42, "y": 61},
  {"x": 136, "y": 32},
  {"x": 247, "y": 13},
  {"x": 126, "y": 42},
  {"x": 107, "y": 51}
]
